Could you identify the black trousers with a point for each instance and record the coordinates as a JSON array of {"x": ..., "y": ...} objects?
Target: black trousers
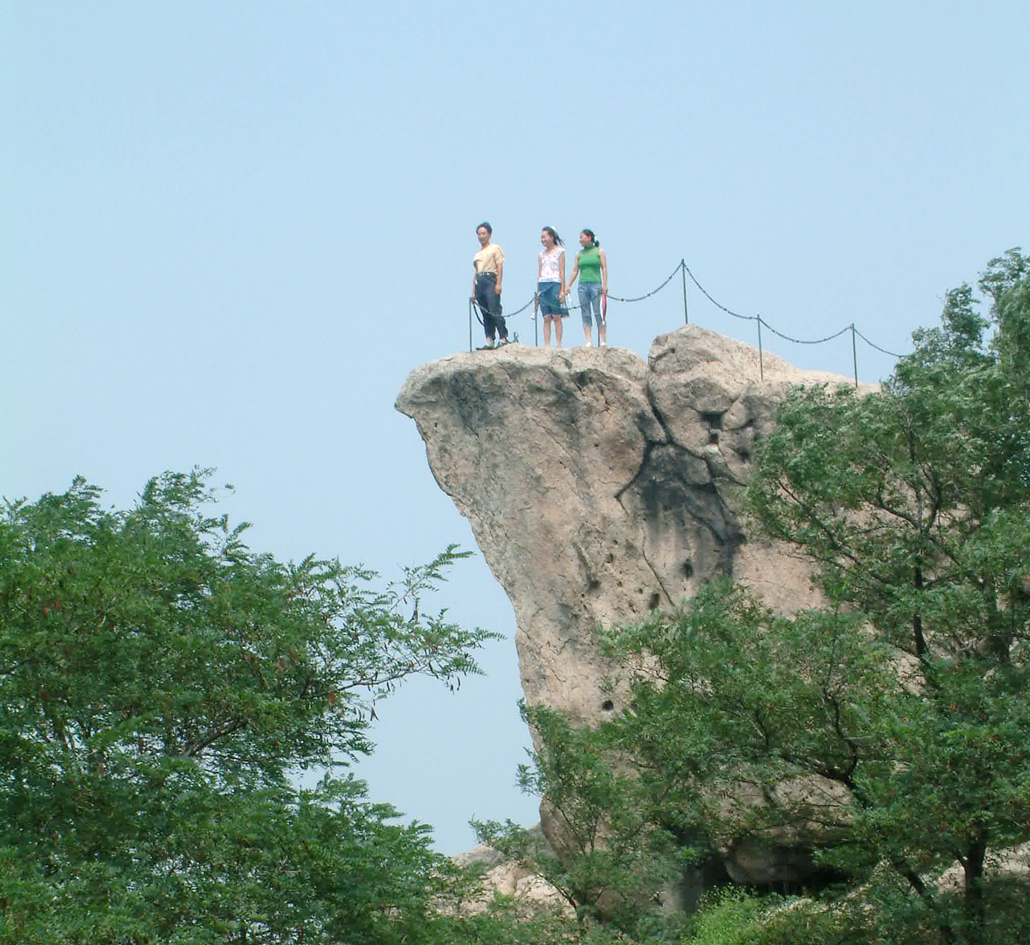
[{"x": 489, "y": 303}]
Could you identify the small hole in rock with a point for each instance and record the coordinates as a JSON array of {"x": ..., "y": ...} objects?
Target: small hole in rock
[
  {"x": 688, "y": 569},
  {"x": 607, "y": 705},
  {"x": 655, "y": 600}
]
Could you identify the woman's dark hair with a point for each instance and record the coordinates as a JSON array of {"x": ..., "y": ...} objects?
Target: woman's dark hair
[
  {"x": 486, "y": 226},
  {"x": 593, "y": 239},
  {"x": 554, "y": 236}
]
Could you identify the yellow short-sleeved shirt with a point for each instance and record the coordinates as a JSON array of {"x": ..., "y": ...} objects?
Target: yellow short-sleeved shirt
[{"x": 489, "y": 258}]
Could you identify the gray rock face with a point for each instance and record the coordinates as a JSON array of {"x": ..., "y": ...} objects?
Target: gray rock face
[{"x": 599, "y": 487}]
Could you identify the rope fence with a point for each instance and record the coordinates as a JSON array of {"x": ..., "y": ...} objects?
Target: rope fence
[{"x": 685, "y": 272}]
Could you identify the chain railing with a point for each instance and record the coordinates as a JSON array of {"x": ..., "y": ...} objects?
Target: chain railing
[{"x": 684, "y": 270}]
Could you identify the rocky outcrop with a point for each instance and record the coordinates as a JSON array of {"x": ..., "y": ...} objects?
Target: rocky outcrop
[
  {"x": 599, "y": 487},
  {"x": 530, "y": 890}
]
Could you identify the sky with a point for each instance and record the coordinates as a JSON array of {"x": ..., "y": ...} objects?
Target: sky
[{"x": 228, "y": 232}]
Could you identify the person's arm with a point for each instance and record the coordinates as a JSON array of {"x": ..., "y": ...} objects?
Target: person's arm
[
  {"x": 575, "y": 272},
  {"x": 539, "y": 265},
  {"x": 604, "y": 272},
  {"x": 472, "y": 297},
  {"x": 561, "y": 271},
  {"x": 500, "y": 275}
]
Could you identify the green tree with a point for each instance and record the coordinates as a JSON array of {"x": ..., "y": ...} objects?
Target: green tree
[
  {"x": 904, "y": 700},
  {"x": 159, "y": 685},
  {"x": 507, "y": 921},
  {"x": 609, "y": 861}
]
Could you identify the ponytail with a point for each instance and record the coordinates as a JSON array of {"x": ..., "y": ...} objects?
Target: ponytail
[{"x": 593, "y": 239}]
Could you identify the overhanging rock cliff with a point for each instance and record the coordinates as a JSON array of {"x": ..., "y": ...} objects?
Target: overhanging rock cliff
[{"x": 599, "y": 487}]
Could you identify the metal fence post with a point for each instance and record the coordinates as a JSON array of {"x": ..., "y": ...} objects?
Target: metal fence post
[
  {"x": 854, "y": 354},
  {"x": 470, "y": 324},
  {"x": 683, "y": 273},
  {"x": 761, "y": 363}
]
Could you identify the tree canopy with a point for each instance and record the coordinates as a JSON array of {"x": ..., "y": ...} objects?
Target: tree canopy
[
  {"x": 901, "y": 704},
  {"x": 160, "y": 683}
]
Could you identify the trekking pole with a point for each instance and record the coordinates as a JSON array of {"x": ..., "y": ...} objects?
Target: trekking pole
[
  {"x": 536, "y": 321},
  {"x": 470, "y": 324}
]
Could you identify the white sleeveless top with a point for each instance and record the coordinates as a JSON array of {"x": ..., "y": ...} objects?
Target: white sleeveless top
[{"x": 549, "y": 269}]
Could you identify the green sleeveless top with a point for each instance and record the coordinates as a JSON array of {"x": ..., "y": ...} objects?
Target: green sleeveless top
[{"x": 590, "y": 264}]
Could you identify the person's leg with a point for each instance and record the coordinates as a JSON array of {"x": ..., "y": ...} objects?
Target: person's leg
[
  {"x": 495, "y": 310},
  {"x": 545, "y": 294},
  {"x": 595, "y": 301},
  {"x": 584, "y": 310},
  {"x": 483, "y": 294},
  {"x": 554, "y": 306}
]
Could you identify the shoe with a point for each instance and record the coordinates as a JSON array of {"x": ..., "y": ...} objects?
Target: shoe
[
  {"x": 503, "y": 342},
  {"x": 602, "y": 344},
  {"x": 489, "y": 346},
  {"x": 589, "y": 344}
]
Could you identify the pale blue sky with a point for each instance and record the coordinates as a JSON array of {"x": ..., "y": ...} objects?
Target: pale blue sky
[{"x": 229, "y": 230}]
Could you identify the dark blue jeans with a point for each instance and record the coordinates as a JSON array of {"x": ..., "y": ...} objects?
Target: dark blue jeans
[{"x": 489, "y": 303}]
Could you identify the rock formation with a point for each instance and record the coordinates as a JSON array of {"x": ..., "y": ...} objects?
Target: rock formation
[
  {"x": 599, "y": 487},
  {"x": 500, "y": 876}
]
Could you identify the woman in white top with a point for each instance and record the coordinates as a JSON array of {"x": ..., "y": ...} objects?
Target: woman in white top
[{"x": 550, "y": 283}]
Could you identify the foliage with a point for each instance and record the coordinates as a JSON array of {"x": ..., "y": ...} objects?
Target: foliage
[
  {"x": 890, "y": 725},
  {"x": 159, "y": 684},
  {"x": 738, "y": 703},
  {"x": 610, "y": 859},
  {"x": 735, "y": 917},
  {"x": 506, "y": 921},
  {"x": 727, "y": 917}
]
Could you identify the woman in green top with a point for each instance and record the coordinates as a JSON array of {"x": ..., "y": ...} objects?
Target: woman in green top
[{"x": 592, "y": 269}]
